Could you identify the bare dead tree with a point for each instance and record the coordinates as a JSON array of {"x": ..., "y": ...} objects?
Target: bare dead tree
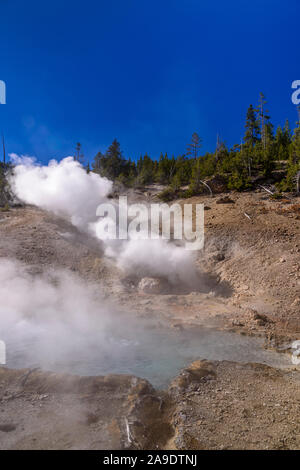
[
  {"x": 205, "y": 184},
  {"x": 266, "y": 189},
  {"x": 297, "y": 181},
  {"x": 262, "y": 118}
]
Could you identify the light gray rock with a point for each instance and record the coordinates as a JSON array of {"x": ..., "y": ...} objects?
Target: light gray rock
[{"x": 150, "y": 285}]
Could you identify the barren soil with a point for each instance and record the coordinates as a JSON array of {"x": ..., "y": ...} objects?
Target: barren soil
[{"x": 250, "y": 282}]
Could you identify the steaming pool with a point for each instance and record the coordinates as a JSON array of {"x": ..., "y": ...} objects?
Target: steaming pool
[{"x": 156, "y": 354}]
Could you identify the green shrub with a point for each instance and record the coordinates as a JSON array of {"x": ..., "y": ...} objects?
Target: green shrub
[
  {"x": 167, "y": 194},
  {"x": 5, "y": 208},
  {"x": 238, "y": 182}
]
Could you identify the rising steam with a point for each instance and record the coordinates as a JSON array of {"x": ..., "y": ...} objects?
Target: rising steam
[
  {"x": 67, "y": 190},
  {"x": 63, "y": 188},
  {"x": 58, "y": 321}
]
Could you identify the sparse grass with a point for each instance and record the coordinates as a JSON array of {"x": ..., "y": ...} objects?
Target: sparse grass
[
  {"x": 5, "y": 208},
  {"x": 276, "y": 196}
]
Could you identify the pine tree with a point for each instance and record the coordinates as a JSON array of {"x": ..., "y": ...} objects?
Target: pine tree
[
  {"x": 282, "y": 141},
  {"x": 113, "y": 163},
  {"x": 195, "y": 184},
  {"x": 252, "y": 128},
  {"x": 165, "y": 169},
  {"x": 79, "y": 157},
  {"x": 263, "y": 117},
  {"x": 287, "y": 133},
  {"x": 266, "y": 148},
  {"x": 176, "y": 182},
  {"x": 195, "y": 145},
  {"x": 183, "y": 168},
  {"x": 146, "y": 170},
  {"x": 96, "y": 164},
  {"x": 295, "y": 147}
]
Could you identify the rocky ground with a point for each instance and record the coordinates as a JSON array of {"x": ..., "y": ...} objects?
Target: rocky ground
[
  {"x": 225, "y": 405},
  {"x": 253, "y": 243},
  {"x": 210, "y": 405},
  {"x": 40, "y": 410},
  {"x": 250, "y": 280}
]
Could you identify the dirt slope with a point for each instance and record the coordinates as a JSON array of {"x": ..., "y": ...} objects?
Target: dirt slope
[
  {"x": 259, "y": 257},
  {"x": 210, "y": 405}
]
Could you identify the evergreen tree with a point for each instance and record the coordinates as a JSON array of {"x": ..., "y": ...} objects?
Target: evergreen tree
[
  {"x": 195, "y": 184},
  {"x": 282, "y": 141},
  {"x": 112, "y": 164},
  {"x": 254, "y": 157},
  {"x": 266, "y": 147},
  {"x": 79, "y": 157},
  {"x": 295, "y": 147},
  {"x": 96, "y": 164},
  {"x": 146, "y": 170},
  {"x": 287, "y": 133},
  {"x": 176, "y": 182},
  {"x": 194, "y": 147},
  {"x": 166, "y": 169},
  {"x": 252, "y": 128},
  {"x": 183, "y": 168},
  {"x": 263, "y": 118}
]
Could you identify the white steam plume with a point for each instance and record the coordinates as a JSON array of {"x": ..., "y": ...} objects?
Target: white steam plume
[
  {"x": 63, "y": 188},
  {"x": 67, "y": 190},
  {"x": 158, "y": 258},
  {"x": 58, "y": 321}
]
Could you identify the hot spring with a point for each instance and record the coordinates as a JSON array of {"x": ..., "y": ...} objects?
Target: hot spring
[
  {"x": 58, "y": 322},
  {"x": 152, "y": 353}
]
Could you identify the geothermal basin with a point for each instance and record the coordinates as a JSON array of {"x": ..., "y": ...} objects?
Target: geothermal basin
[{"x": 146, "y": 351}]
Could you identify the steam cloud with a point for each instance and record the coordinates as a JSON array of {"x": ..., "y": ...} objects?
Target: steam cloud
[
  {"x": 58, "y": 321},
  {"x": 63, "y": 188},
  {"x": 67, "y": 190}
]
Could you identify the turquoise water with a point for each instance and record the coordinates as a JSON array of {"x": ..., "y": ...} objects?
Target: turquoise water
[{"x": 156, "y": 354}]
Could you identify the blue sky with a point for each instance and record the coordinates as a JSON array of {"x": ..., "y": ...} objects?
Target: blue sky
[{"x": 149, "y": 73}]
